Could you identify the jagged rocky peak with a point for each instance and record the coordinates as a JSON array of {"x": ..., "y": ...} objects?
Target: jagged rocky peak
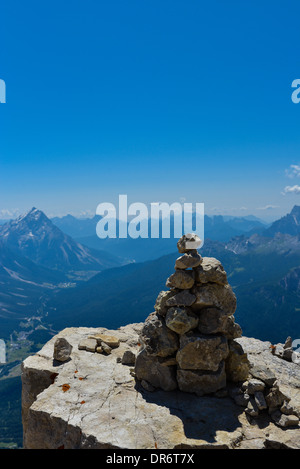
[{"x": 188, "y": 342}]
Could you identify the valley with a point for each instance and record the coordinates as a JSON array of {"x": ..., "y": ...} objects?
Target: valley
[{"x": 49, "y": 281}]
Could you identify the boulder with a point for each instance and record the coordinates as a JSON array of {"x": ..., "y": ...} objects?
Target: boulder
[
  {"x": 214, "y": 295},
  {"x": 182, "y": 298},
  {"x": 62, "y": 349},
  {"x": 200, "y": 382},
  {"x": 181, "y": 320},
  {"x": 237, "y": 364},
  {"x": 288, "y": 343},
  {"x": 212, "y": 321},
  {"x": 232, "y": 329},
  {"x": 201, "y": 352},
  {"x": 275, "y": 398},
  {"x": 154, "y": 371},
  {"x": 188, "y": 260},
  {"x": 210, "y": 270},
  {"x": 260, "y": 400},
  {"x": 182, "y": 279},
  {"x": 161, "y": 304},
  {"x": 157, "y": 338},
  {"x": 252, "y": 408},
  {"x": 255, "y": 385},
  {"x": 128, "y": 358},
  {"x": 264, "y": 373},
  {"x": 283, "y": 420}
]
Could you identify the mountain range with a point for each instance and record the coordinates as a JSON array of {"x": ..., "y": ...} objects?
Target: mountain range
[
  {"x": 36, "y": 258},
  {"x": 217, "y": 228},
  {"x": 49, "y": 280},
  {"x": 34, "y": 236},
  {"x": 266, "y": 285},
  {"x": 84, "y": 286}
]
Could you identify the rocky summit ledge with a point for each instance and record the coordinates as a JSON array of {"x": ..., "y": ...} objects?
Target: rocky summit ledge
[{"x": 92, "y": 400}]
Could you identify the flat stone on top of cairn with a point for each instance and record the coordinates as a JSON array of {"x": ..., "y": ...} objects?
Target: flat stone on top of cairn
[{"x": 188, "y": 341}]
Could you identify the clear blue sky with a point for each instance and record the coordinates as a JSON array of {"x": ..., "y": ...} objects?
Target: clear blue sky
[{"x": 160, "y": 100}]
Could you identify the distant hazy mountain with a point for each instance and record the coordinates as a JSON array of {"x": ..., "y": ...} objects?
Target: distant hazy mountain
[
  {"x": 34, "y": 236},
  {"x": 264, "y": 282},
  {"x": 280, "y": 243},
  {"x": 76, "y": 227},
  {"x": 141, "y": 249},
  {"x": 289, "y": 224}
]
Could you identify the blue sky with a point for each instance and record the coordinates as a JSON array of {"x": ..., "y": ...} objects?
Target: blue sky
[{"x": 161, "y": 100}]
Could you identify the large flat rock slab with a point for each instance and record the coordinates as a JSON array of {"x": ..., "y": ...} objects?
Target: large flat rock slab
[{"x": 93, "y": 401}]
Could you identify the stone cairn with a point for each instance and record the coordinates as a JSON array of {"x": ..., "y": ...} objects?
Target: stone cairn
[{"x": 188, "y": 342}]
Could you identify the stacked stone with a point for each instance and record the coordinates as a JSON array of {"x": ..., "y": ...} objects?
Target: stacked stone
[
  {"x": 188, "y": 342},
  {"x": 261, "y": 393},
  {"x": 286, "y": 351}
]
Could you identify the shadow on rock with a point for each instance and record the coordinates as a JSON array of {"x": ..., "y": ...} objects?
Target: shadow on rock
[{"x": 202, "y": 417}]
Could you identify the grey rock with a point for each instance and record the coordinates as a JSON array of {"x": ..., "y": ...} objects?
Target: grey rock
[
  {"x": 52, "y": 418},
  {"x": 286, "y": 373},
  {"x": 278, "y": 351},
  {"x": 161, "y": 306},
  {"x": 183, "y": 298},
  {"x": 284, "y": 420},
  {"x": 128, "y": 358},
  {"x": 264, "y": 373},
  {"x": 232, "y": 329},
  {"x": 106, "y": 348},
  {"x": 214, "y": 295},
  {"x": 181, "y": 320},
  {"x": 254, "y": 385},
  {"x": 286, "y": 408},
  {"x": 260, "y": 400},
  {"x": 254, "y": 443},
  {"x": 188, "y": 260},
  {"x": 212, "y": 321},
  {"x": 275, "y": 398},
  {"x": 201, "y": 352},
  {"x": 157, "y": 338},
  {"x": 188, "y": 242},
  {"x": 215, "y": 321},
  {"x": 110, "y": 340},
  {"x": 288, "y": 343},
  {"x": 237, "y": 363},
  {"x": 89, "y": 345},
  {"x": 252, "y": 408},
  {"x": 62, "y": 349},
  {"x": 296, "y": 358},
  {"x": 182, "y": 279},
  {"x": 210, "y": 270},
  {"x": 200, "y": 382},
  {"x": 287, "y": 354},
  {"x": 153, "y": 370}
]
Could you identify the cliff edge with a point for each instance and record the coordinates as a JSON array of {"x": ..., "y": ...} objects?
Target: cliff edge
[{"x": 93, "y": 400}]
